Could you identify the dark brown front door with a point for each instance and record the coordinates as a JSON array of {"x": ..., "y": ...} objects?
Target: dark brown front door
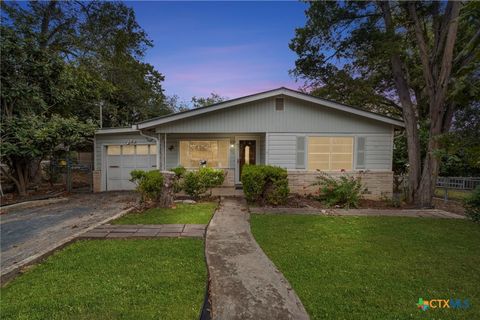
[{"x": 247, "y": 153}]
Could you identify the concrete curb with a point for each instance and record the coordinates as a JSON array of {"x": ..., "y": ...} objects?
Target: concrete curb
[
  {"x": 32, "y": 203},
  {"x": 9, "y": 273}
]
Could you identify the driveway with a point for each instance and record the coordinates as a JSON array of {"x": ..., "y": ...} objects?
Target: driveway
[{"x": 29, "y": 231}]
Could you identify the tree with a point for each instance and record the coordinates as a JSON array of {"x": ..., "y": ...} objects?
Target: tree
[
  {"x": 32, "y": 138},
  {"x": 207, "y": 101},
  {"x": 99, "y": 47},
  {"x": 421, "y": 58}
]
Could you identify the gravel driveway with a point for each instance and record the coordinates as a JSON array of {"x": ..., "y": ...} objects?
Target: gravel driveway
[{"x": 26, "y": 232}]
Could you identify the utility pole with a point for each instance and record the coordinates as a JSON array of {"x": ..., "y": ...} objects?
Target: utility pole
[{"x": 101, "y": 114}]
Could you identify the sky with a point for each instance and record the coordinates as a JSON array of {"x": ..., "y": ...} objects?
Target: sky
[{"x": 230, "y": 48}]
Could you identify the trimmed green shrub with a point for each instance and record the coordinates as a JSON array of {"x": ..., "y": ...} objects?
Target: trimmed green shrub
[
  {"x": 472, "y": 205},
  {"x": 197, "y": 183},
  {"x": 179, "y": 177},
  {"x": 265, "y": 184},
  {"x": 344, "y": 191},
  {"x": 149, "y": 184}
]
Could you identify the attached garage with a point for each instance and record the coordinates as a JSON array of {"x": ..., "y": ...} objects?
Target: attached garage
[{"x": 117, "y": 153}]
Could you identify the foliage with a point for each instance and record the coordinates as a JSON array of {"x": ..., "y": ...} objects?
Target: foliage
[
  {"x": 70, "y": 57},
  {"x": 415, "y": 59},
  {"x": 204, "y": 102},
  {"x": 344, "y": 191},
  {"x": 149, "y": 184},
  {"x": 472, "y": 205},
  {"x": 198, "y": 183},
  {"x": 265, "y": 184},
  {"x": 198, "y": 213},
  {"x": 28, "y": 138}
]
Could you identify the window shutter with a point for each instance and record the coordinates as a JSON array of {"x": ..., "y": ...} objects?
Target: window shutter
[
  {"x": 361, "y": 152},
  {"x": 300, "y": 162}
]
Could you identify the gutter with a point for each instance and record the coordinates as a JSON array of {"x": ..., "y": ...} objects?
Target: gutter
[{"x": 157, "y": 141}]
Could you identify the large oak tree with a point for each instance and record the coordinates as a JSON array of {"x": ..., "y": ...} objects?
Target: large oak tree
[{"x": 417, "y": 59}]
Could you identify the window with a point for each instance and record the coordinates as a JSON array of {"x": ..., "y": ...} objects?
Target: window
[
  {"x": 128, "y": 150},
  {"x": 214, "y": 152},
  {"x": 330, "y": 153},
  {"x": 142, "y": 149},
  {"x": 279, "y": 104},
  {"x": 113, "y": 150}
]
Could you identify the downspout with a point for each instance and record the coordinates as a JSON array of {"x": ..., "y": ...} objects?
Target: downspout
[{"x": 157, "y": 141}]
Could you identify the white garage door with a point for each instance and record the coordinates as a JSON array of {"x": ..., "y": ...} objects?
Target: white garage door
[{"x": 122, "y": 159}]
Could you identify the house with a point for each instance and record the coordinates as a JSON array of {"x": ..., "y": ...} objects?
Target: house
[{"x": 280, "y": 127}]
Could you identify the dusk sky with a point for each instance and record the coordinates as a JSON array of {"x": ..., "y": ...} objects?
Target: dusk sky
[{"x": 231, "y": 48}]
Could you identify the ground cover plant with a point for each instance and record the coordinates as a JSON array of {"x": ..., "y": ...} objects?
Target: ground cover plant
[
  {"x": 374, "y": 267},
  {"x": 112, "y": 279},
  {"x": 199, "y": 213}
]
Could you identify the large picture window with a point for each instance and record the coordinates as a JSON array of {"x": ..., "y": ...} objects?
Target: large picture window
[
  {"x": 214, "y": 152},
  {"x": 330, "y": 153}
]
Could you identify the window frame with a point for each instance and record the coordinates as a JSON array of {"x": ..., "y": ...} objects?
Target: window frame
[
  {"x": 204, "y": 139},
  {"x": 275, "y": 104},
  {"x": 307, "y": 150}
]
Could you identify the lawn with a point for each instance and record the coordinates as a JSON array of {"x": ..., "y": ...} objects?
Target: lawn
[
  {"x": 453, "y": 194},
  {"x": 199, "y": 213},
  {"x": 375, "y": 267},
  {"x": 112, "y": 279}
]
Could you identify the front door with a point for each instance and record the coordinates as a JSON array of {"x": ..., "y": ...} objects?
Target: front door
[{"x": 247, "y": 153}]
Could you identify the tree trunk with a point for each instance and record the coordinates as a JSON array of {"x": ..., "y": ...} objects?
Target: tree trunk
[{"x": 167, "y": 197}]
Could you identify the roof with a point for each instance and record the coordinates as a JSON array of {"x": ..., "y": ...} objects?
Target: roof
[
  {"x": 263, "y": 95},
  {"x": 131, "y": 129}
]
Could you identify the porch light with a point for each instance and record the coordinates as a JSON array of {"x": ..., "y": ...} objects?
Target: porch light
[{"x": 232, "y": 146}]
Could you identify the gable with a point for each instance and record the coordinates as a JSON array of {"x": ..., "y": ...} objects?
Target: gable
[{"x": 261, "y": 116}]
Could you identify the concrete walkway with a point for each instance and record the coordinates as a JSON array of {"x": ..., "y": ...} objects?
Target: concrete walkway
[
  {"x": 244, "y": 283},
  {"x": 124, "y": 231}
]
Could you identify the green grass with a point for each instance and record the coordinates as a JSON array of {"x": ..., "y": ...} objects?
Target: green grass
[
  {"x": 375, "y": 267},
  {"x": 199, "y": 213},
  {"x": 112, "y": 279},
  {"x": 453, "y": 194}
]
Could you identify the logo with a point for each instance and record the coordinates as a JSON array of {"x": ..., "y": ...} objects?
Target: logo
[{"x": 424, "y": 305}]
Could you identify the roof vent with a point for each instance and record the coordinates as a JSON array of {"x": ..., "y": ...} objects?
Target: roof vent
[{"x": 279, "y": 104}]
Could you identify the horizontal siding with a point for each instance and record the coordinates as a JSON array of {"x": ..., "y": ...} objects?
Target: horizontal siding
[
  {"x": 378, "y": 152},
  {"x": 260, "y": 116},
  {"x": 282, "y": 150}
]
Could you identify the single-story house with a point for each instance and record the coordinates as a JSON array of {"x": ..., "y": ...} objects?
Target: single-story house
[{"x": 280, "y": 127}]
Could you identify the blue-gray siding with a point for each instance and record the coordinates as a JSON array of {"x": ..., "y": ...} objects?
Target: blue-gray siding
[{"x": 260, "y": 116}]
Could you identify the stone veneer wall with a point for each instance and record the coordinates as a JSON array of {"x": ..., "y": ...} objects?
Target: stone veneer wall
[{"x": 378, "y": 183}]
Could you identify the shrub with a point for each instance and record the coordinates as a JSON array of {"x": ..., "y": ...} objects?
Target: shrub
[
  {"x": 346, "y": 191},
  {"x": 472, "y": 205},
  {"x": 265, "y": 184},
  {"x": 179, "y": 177},
  {"x": 197, "y": 183},
  {"x": 149, "y": 184}
]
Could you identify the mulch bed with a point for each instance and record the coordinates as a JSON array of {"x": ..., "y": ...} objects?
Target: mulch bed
[{"x": 298, "y": 201}]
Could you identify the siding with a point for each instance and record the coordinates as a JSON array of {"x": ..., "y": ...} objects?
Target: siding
[
  {"x": 282, "y": 150},
  {"x": 260, "y": 116},
  {"x": 378, "y": 151}
]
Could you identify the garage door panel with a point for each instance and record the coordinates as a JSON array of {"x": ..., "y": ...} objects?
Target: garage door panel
[{"x": 121, "y": 160}]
